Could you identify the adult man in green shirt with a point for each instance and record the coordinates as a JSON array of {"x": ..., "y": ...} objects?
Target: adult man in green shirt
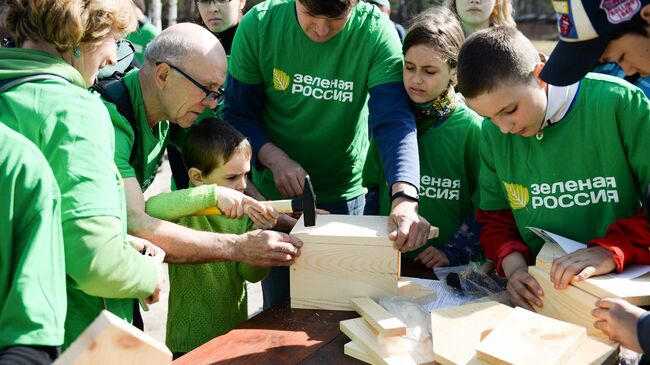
[
  {"x": 32, "y": 264},
  {"x": 184, "y": 68}
]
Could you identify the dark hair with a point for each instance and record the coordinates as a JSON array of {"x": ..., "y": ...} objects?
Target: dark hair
[
  {"x": 637, "y": 25},
  {"x": 439, "y": 29},
  {"x": 492, "y": 57},
  {"x": 328, "y": 8},
  {"x": 211, "y": 143}
]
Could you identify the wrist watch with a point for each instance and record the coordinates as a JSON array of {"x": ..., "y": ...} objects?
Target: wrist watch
[{"x": 406, "y": 195}]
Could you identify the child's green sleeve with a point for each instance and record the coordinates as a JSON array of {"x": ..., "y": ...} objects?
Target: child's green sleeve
[{"x": 181, "y": 203}]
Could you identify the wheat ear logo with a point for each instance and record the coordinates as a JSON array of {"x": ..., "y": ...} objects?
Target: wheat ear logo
[
  {"x": 280, "y": 79},
  {"x": 517, "y": 195}
]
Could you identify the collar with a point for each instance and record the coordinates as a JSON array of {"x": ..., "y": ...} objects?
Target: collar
[{"x": 560, "y": 101}]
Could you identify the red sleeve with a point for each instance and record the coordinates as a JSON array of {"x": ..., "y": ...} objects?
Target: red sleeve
[
  {"x": 629, "y": 241},
  {"x": 500, "y": 237}
]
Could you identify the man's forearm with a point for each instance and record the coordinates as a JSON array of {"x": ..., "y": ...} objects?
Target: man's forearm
[{"x": 185, "y": 245}]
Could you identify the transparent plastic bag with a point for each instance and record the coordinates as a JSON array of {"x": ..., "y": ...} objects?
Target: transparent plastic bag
[{"x": 418, "y": 326}]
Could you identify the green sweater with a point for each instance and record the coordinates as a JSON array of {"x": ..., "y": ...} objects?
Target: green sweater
[{"x": 205, "y": 300}]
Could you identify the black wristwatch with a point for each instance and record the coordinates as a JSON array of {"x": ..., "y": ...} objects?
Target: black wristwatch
[{"x": 406, "y": 195}]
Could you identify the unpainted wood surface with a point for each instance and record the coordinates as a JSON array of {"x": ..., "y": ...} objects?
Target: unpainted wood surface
[
  {"x": 336, "y": 228},
  {"x": 360, "y": 332},
  {"x": 110, "y": 340},
  {"x": 524, "y": 337},
  {"x": 327, "y": 276},
  {"x": 635, "y": 291},
  {"x": 456, "y": 331},
  {"x": 379, "y": 318},
  {"x": 571, "y": 304},
  {"x": 353, "y": 350}
]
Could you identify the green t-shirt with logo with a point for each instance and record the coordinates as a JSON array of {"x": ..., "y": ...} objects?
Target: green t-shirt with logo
[
  {"x": 141, "y": 38},
  {"x": 32, "y": 264},
  {"x": 449, "y": 173},
  {"x": 587, "y": 171},
  {"x": 315, "y": 106}
]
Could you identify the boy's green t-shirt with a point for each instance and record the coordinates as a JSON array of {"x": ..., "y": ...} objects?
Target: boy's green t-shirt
[
  {"x": 449, "y": 173},
  {"x": 315, "y": 93},
  {"x": 32, "y": 264},
  {"x": 587, "y": 171}
]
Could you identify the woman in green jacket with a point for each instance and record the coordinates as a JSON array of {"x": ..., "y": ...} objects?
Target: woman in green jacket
[{"x": 69, "y": 41}]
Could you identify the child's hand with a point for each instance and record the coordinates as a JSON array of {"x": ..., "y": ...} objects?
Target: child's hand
[
  {"x": 432, "y": 257},
  {"x": 618, "y": 320},
  {"x": 266, "y": 218},
  {"x": 581, "y": 264},
  {"x": 523, "y": 289},
  {"x": 234, "y": 204}
]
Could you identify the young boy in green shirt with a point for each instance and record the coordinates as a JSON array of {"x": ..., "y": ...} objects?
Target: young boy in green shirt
[
  {"x": 571, "y": 160},
  {"x": 208, "y": 300}
]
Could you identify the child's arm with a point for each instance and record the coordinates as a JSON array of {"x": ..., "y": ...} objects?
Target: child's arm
[
  {"x": 626, "y": 241},
  {"x": 500, "y": 237},
  {"x": 181, "y": 203}
]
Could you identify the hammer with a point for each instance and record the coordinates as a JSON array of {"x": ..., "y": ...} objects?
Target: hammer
[{"x": 306, "y": 205}]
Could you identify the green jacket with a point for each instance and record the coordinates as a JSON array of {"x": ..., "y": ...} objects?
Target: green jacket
[{"x": 71, "y": 127}]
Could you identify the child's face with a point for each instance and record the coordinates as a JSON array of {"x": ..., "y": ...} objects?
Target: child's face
[
  {"x": 232, "y": 174},
  {"x": 475, "y": 12},
  {"x": 631, "y": 52},
  {"x": 517, "y": 108},
  {"x": 425, "y": 75},
  {"x": 219, "y": 15}
]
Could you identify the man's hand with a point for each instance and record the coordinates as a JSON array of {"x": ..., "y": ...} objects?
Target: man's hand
[
  {"x": 267, "y": 248},
  {"x": 432, "y": 257},
  {"x": 234, "y": 204},
  {"x": 406, "y": 228},
  {"x": 288, "y": 175},
  {"x": 266, "y": 219},
  {"x": 618, "y": 320},
  {"x": 581, "y": 265}
]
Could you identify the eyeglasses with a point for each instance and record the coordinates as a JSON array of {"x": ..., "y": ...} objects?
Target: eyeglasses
[
  {"x": 210, "y": 96},
  {"x": 124, "y": 53}
]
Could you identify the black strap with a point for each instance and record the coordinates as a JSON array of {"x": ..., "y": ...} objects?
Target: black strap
[
  {"x": 114, "y": 91},
  {"x": 5, "y": 85}
]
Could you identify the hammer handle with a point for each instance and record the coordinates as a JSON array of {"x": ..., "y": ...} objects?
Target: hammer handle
[{"x": 280, "y": 206}]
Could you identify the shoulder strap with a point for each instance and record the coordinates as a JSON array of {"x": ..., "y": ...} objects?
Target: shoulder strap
[
  {"x": 5, "y": 85},
  {"x": 114, "y": 91}
]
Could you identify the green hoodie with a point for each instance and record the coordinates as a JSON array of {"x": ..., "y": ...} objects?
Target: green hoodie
[{"x": 72, "y": 129}]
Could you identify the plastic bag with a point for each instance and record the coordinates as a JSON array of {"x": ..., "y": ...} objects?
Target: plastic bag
[{"x": 418, "y": 326}]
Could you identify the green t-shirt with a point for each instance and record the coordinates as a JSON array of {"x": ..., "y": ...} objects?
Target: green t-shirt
[
  {"x": 587, "y": 171},
  {"x": 140, "y": 38},
  {"x": 71, "y": 127},
  {"x": 32, "y": 264},
  {"x": 449, "y": 173},
  {"x": 315, "y": 106}
]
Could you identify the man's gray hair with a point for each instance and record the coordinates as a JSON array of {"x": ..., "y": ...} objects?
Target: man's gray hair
[{"x": 169, "y": 48}]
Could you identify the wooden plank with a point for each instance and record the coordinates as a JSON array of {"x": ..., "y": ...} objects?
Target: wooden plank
[
  {"x": 353, "y": 350},
  {"x": 635, "y": 291},
  {"x": 363, "y": 335},
  {"x": 354, "y": 229},
  {"x": 407, "y": 288},
  {"x": 379, "y": 318},
  {"x": 110, "y": 340},
  {"x": 572, "y": 304},
  {"x": 525, "y": 337},
  {"x": 327, "y": 276},
  {"x": 456, "y": 331}
]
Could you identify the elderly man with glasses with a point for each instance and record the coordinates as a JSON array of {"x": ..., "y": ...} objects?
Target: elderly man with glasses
[{"x": 182, "y": 75}]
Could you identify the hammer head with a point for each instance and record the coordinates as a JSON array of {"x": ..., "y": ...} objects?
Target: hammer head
[{"x": 309, "y": 204}]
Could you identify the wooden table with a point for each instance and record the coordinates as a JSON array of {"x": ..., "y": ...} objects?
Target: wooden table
[{"x": 280, "y": 335}]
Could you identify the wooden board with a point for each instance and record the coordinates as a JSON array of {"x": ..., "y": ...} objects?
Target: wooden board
[
  {"x": 354, "y": 229},
  {"x": 636, "y": 291},
  {"x": 379, "y": 318},
  {"x": 353, "y": 350},
  {"x": 110, "y": 340},
  {"x": 571, "y": 304},
  {"x": 456, "y": 332},
  {"x": 524, "y": 337},
  {"x": 362, "y": 334}
]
